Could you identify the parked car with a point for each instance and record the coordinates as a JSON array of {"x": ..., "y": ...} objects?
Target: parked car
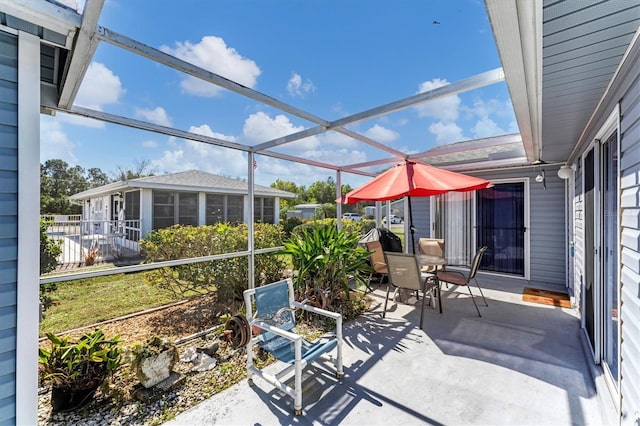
[
  {"x": 351, "y": 216},
  {"x": 392, "y": 219}
]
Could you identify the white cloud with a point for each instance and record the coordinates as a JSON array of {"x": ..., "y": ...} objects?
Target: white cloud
[
  {"x": 260, "y": 127},
  {"x": 100, "y": 87},
  {"x": 445, "y": 109},
  {"x": 157, "y": 115},
  {"x": 54, "y": 142},
  {"x": 213, "y": 54},
  {"x": 296, "y": 87},
  {"x": 446, "y": 132},
  {"x": 150, "y": 144},
  {"x": 381, "y": 134},
  {"x": 189, "y": 154},
  {"x": 486, "y": 127},
  {"x": 205, "y": 130}
]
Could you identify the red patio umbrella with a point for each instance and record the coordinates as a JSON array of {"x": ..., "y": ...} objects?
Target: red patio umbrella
[{"x": 413, "y": 179}]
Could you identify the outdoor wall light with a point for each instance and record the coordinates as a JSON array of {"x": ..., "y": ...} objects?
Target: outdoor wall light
[
  {"x": 540, "y": 179},
  {"x": 565, "y": 172}
]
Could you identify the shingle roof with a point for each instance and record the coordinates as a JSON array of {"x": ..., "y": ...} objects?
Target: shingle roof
[{"x": 190, "y": 180}]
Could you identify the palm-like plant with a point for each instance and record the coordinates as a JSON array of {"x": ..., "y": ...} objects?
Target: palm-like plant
[{"x": 325, "y": 259}]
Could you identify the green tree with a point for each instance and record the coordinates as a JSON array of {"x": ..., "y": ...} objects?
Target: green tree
[
  {"x": 141, "y": 168},
  {"x": 57, "y": 182},
  {"x": 97, "y": 177}
]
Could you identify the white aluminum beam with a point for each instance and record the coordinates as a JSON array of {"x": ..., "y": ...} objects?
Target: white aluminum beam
[
  {"x": 156, "y": 55},
  {"x": 169, "y": 131},
  {"x": 477, "y": 81},
  {"x": 151, "y": 127},
  {"x": 84, "y": 47},
  {"x": 517, "y": 28}
]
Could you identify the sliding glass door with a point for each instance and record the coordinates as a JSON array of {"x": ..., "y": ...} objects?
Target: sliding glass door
[
  {"x": 610, "y": 252},
  {"x": 493, "y": 217},
  {"x": 500, "y": 226}
]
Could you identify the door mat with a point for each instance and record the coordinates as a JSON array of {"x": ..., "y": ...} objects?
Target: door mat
[{"x": 546, "y": 297}]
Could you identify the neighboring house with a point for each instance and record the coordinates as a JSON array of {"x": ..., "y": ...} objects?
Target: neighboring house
[
  {"x": 572, "y": 72},
  {"x": 187, "y": 198},
  {"x": 306, "y": 211}
]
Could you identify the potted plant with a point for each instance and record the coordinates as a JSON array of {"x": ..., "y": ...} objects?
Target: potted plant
[
  {"x": 153, "y": 360},
  {"x": 76, "y": 369}
]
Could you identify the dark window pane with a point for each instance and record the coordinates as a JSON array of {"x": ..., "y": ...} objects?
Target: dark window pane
[
  {"x": 163, "y": 209},
  {"x": 188, "y": 208},
  {"x": 214, "y": 209},
  {"x": 235, "y": 208},
  {"x": 268, "y": 210},
  {"x": 132, "y": 205}
]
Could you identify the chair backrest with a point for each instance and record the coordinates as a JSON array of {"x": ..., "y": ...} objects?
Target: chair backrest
[
  {"x": 378, "y": 262},
  {"x": 475, "y": 264},
  {"x": 404, "y": 271},
  {"x": 431, "y": 246},
  {"x": 273, "y": 302}
]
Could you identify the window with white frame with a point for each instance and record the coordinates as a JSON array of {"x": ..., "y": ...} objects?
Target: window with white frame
[
  {"x": 265, "y": 209},
  {"x": 224, "y": 208}
]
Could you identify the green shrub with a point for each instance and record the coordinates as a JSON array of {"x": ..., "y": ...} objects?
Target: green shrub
[
  {"x": 49, "y": 249},
  {"x": 290, "y": 224},
  {"x": 326, "y": 259},
  {"x": 229, "y": 277}
]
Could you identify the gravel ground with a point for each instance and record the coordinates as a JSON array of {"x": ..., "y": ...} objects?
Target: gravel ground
[{"x": 119, "y": 404}]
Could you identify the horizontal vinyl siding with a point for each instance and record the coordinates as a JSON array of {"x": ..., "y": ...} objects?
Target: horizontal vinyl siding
[
  {"x": 546, "y": 223},
  {"x": 8, "y": 224},
  {"x": 421, "y": 218},
  {"x": 630, "y": 248}
]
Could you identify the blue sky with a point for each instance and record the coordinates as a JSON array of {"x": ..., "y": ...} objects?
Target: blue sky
[{"x": 330, "y": 58}]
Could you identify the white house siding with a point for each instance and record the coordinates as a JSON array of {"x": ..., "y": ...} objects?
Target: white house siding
[
  {"x": 547, "y": 255},
  {"x": 625, "y": 92},
  {"x": 8, "y": 224},
  {"x": 548, "y": 251},
  {"x": 420, "y": 208},
  {"x": 630, "y": 246}
]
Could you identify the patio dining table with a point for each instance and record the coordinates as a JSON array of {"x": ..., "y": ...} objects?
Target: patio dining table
[{"x": 427, "y": 261}]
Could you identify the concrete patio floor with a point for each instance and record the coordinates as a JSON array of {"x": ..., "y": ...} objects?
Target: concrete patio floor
[{"x": 519, "y": 364}]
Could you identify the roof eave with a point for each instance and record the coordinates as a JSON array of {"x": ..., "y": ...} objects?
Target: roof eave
[{"x": 517, "y": 28}]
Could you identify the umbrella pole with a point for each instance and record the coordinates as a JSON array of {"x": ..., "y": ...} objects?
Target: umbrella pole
[{"x": 411, "y": 228}]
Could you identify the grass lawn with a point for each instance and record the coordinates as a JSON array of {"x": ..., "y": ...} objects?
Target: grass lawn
[{"x": 90, "y": 300}]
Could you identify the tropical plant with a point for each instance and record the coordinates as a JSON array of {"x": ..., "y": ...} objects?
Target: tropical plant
[
  {"x": 326, "y": 259},
  {"x": 81, "y": 365}
]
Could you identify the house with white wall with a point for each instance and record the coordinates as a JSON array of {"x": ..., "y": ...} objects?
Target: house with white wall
[{"x": 191, "y": 197}]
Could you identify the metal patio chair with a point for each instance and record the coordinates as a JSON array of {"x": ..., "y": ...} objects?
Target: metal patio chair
[
  {"x": 274, "y": 319},
  {"x": 458, "y": 278},
  {"x": 404, "y": 273},
  {"x": 378, "y": 262}
]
